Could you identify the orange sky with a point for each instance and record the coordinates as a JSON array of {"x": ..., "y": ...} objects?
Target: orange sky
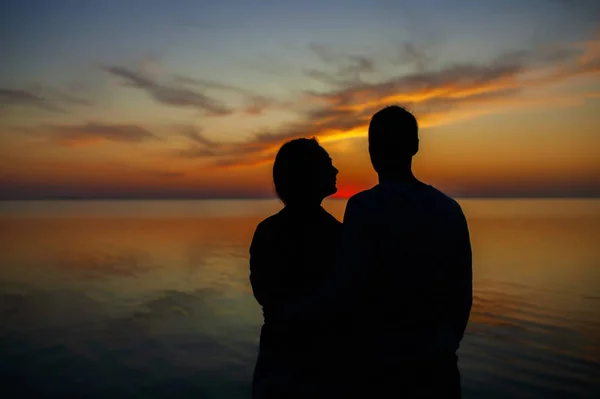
[{"x": 520, "y": 122}]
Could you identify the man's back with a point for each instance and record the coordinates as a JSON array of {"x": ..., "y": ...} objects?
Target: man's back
[
  {"x": 409, "y": 243},
  {"x": 405, "y": 274}
]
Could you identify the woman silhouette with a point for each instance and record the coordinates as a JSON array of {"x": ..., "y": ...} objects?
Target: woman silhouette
[{"x": 291, "y": 256}]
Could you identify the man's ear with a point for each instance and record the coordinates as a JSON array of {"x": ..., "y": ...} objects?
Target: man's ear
[{"x": 416, "y": 147}]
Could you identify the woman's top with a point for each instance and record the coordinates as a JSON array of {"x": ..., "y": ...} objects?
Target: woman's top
[{"x": 293, "y": 253}]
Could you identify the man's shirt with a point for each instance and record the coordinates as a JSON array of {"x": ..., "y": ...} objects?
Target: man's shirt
[{"x": 405, "y": 274}]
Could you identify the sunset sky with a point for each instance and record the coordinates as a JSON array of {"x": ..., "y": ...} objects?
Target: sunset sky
[{"x": 192, "y": 98}]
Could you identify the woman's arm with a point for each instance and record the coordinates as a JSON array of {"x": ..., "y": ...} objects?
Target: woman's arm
[
  {"x": 262, "y": 265},
  {"x": 268, "y": 271}
]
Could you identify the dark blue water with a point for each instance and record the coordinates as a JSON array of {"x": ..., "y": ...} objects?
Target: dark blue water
[{"x": 151, "y": 299}]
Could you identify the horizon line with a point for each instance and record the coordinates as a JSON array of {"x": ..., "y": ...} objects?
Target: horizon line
[{"x": 201, "y": 198}]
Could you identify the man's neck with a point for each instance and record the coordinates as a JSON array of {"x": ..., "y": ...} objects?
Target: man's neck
[{"x": 405, "y": 176}]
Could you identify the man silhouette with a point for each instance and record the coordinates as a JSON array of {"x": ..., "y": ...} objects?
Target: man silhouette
[{"x": 405, "y": 275}]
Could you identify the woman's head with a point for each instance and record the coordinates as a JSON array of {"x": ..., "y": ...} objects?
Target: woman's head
[{"x": 303, "y": 172}]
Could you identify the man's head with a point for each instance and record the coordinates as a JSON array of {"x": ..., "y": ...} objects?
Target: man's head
[{"x": 393, "y": 139}]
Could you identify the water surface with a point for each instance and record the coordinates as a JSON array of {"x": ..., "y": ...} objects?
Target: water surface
[{"x": 151, "y": 298}]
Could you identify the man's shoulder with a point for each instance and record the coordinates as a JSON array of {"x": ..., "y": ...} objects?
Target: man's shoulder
[
  {"x": 363, "y": 204},
  {"x": 448, "y": 207},
  {"x": 444, "y": 198},
  {"x": 376, "y": 192},
  {"x": 364, "y": 195},
  {"x": 363, "y": 198}
]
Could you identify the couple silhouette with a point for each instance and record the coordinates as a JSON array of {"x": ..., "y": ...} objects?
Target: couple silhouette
[{"x": 372, "y": 308}]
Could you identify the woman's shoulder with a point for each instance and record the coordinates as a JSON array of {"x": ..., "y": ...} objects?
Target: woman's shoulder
[
  {"x": 267, "y": 223},
  {"x": 269, "y": 226},
  {"x": 263, "y": 233}
]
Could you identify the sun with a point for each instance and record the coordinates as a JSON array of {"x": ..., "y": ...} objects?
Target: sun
[{"x": 345, "y": 192}]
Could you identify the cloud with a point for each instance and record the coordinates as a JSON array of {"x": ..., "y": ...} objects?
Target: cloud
[
  {"x": 93, "y": 132},
  {"x": 409, "y": 54},
  {"x": 67, "y": 99},
  {"x": 166, "y": 174},
  {"x": 174, "y": 94},
  {"x": 202, "y": 147},
  {"x": 256, "y": 104},
  {"x": 441, "y": 95},
  {"x": 41, "y": 97},
  {"x": 349, "y": 68},
  {"x": 197, "y": 137},
  {"x": 15, "y": 97},
  {"x": 207, "y": 84},
  {"x": 185, "y": 91},
  {"x": 249, "y": 161},
  {"x": 340, "y": 112}
]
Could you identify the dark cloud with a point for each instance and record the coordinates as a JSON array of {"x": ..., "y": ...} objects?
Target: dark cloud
[
  {"x": 41, "y": 97},
  {"x": 197, "y": 137},
  {"x": 347, "y": 62},
  {"x": 271, "y": 65},
  {"x": 221, "y": 150},
  {"x": 222, "y": 153},
  {"x": 203, "y": 147},
  {"x": 175, "y": 95},
  {"x": 18, "y": 188},
  {"x": 349, "y": 108},
  {"x": 166, "y": 174},
  {"x": 185, "y": 91},
  {"x": 94, "y": 131},
  {"x": 348, "y": 68},
  {"x": 409, "y": 53},
  {"x": 433, "y": 94},
  {"x": 235, "y": 162},
  {"x": 200, "y": 146},
  {"x": 67, "y": 98},
  {"x": 208, "y": 84},
  {"x": 256, "y": 104},
  {"x": 15, "y": 97},
  {"x": 195, "y": 151}
]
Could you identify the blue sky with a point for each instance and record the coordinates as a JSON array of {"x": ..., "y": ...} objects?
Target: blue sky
[{"x": 60, "y": 38}]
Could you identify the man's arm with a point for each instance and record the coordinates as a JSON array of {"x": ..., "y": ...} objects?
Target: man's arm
[{"x": 463, "y": 280}]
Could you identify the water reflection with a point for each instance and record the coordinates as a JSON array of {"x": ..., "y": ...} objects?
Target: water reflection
[{"x": 157, "y": 303}]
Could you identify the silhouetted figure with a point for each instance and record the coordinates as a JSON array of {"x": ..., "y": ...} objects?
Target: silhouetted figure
[
  {"x": 405, "y": 271},
  {"x": 292, "y": 254},
  {"x": 404, "y": 278}
]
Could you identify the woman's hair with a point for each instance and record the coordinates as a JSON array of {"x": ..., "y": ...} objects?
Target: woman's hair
[{"x": 293, "y": 169}]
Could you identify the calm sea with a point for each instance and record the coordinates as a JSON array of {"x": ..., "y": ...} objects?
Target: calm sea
[{"x": 150, "y": 299}]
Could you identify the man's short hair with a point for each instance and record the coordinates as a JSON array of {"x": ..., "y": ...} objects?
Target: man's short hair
[
  {"x": 395, "y": 129},
  {"x": 393, "y": 137}
]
